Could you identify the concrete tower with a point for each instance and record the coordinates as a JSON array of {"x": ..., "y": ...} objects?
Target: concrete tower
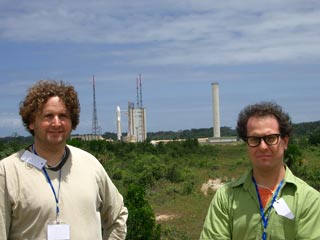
[{"x": 215, "y": 110}]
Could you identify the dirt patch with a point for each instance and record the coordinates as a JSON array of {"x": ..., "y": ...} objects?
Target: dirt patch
[
  {"x": 212, "y": 184},
  {"x": 165, "y": 217}
]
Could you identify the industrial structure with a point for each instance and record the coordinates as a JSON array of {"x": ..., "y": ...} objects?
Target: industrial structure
[
  {"x": 137, "y": 130},
  {"x": 215, "y": 109},
  {"x": 216, "y": 118},
  {"x": 96, "y": 130}
]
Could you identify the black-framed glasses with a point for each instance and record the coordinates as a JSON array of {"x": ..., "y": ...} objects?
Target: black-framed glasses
[{"x": 271, "y": 139}]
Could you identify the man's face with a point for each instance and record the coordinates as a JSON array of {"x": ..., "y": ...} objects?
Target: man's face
[
  {"x": 52, "y": 126},
  {"x": 264, "y": 156}
]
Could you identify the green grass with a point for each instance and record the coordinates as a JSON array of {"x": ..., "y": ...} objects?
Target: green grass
[
  {"x": 311, "y": 156},
  {"x": 189, "y": 211}
]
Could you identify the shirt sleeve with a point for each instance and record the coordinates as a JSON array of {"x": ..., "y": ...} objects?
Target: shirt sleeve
[
  {"x": 309, "y": 217},
  {"x": 216, "y": 225},
  {"x": 113, "y": 212},
  {"x": 5, "y": 211}
]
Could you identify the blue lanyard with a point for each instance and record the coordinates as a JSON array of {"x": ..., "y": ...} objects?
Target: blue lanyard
[
  {"x": 56, "y": 196},
  {"x": 265, "y": 218},
  {"x": 54, "y": 192}
]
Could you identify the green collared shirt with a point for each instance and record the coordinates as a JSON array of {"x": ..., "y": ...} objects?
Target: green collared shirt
[{"x": 234, "y": 212}]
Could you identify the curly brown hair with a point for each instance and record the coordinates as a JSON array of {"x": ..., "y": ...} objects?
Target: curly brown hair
[
  {"x": 39, "y": 94},
  {"x": 264, "y": 109}
]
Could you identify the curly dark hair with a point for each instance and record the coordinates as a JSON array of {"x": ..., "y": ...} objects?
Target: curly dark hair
[
  {"x": 264, "y": 109},
  {"x": 39, "y": 94}
]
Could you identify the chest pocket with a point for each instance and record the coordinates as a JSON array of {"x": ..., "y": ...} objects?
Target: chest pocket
[{"x": 281, "y": 228}]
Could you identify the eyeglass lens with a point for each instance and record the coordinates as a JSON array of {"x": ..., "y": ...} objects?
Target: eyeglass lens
[{"x": 271, "y": 139}]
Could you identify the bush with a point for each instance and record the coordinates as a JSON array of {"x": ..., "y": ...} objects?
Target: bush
[
  {"x": 293, "y": 157},
  {"x": 188, "y": 187},
  {"x": 314, "y": 137},
  {"x": 141, "y": 221},
  {"x": 174, "y": 173}
]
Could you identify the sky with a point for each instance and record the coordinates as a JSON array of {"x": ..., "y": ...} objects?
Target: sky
[{"x": 256, "y": 51}]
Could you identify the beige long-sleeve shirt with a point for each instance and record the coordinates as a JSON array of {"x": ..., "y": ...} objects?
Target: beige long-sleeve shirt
[{"x": 88, "y": 200}]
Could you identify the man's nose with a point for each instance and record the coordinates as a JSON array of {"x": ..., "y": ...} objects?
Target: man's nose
[
  {"x": 263, "y": 144},
  {"x": 56, "y": 120}
]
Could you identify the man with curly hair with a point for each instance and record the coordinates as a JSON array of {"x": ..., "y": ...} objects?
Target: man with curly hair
[
  {"x": 268, "y": 202},
  {"x": 51, "y": 190}
]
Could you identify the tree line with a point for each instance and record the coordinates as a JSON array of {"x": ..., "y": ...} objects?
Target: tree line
[{"x": 299, "y": 129}]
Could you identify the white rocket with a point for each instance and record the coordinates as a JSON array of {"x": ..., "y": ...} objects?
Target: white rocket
[{"x": 119, "y": 134}]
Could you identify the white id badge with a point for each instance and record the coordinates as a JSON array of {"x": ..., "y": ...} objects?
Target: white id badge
[
  {"x": 282, "y": 209},
  {"x": 58, "y": 231}
]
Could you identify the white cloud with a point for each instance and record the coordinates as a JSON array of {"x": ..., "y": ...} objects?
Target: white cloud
[
  {"x": 174, "y": 44},
  {"x": 147, "y": 21}
]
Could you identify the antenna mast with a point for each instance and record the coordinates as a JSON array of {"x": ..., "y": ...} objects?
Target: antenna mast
[
  {"x": 138, "y": 101},
  {"x": 95, "y": 126},
  {"x": 140, "y": 90}
]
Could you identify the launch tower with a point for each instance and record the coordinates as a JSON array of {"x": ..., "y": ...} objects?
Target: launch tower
[{"x": 137, "y": 130}]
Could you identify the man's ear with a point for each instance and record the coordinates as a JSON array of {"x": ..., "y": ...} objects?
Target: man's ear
[{"x": 286, "y": 142}]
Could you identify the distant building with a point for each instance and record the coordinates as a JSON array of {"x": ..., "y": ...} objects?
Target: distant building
[{"x": 88, "y": 137}]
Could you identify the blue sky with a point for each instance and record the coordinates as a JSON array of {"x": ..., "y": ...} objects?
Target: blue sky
[{"x": 255, "y": 50}]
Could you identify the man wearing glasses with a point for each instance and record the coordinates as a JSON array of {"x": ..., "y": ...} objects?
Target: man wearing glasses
[{"x": 268, "y": 202}]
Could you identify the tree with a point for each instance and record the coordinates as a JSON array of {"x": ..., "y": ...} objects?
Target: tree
[
  {"x": 314, "y": 137},
  {"x": 141, "y": 220},
  {"x": 293, "y": 157}
]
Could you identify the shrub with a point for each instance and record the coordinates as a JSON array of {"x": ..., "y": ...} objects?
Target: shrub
[
  {"x": 141, "y": 220},
  {"x": 293, "y": 157}
]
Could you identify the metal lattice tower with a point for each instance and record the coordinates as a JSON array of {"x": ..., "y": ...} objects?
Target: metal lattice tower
[
  {"x": 140, "y": 124},
  {"x": 140, "y": 85},
  {"x": 139, "y": 94},
  {"x": 95, "y": 126}
]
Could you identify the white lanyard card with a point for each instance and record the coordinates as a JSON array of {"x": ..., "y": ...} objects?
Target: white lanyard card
[{"x": 60, "y": 231}]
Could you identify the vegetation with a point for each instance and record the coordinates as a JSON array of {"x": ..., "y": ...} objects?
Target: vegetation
[
  {"x": 141, "y": 216},
  {"x": 181, "y": 134},
  {"x": 161, "y": 183},
  {"x": 300, "y": 129}
]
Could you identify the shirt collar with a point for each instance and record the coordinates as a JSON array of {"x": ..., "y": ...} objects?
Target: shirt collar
[{"x": 246, "y": 179}]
